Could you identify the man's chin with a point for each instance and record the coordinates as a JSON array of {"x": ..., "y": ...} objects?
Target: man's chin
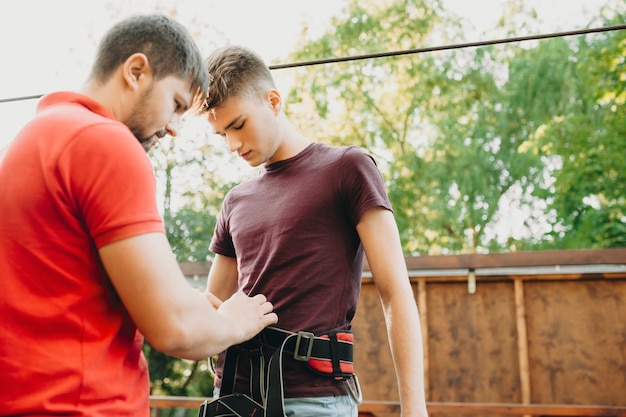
[{"x": 148, "y": 143}]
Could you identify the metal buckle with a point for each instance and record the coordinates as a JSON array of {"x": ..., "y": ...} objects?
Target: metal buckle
[
  {"x": 355, "y": 392},
  {"x": 296, "y": 354}
]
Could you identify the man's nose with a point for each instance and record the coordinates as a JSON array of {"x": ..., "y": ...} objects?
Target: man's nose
[
  {"x": 173, "y": 126},
  {"x": 234, "y": 143}
]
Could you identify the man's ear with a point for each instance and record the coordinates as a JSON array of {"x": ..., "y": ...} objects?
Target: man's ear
[
  {"x": 136, "y": 69},
  {"x": 275, "y": 100}
]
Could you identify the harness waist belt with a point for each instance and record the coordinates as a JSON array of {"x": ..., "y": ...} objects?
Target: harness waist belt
[
  {"x": 306, "y": 346},
  {"x": 328, "y": 354}
]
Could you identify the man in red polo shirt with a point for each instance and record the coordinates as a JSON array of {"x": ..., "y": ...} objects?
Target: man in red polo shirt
[{"x": 86, "y": 270}]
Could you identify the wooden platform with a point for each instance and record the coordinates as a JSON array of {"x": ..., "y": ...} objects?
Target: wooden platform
[{"x": 376, "y": 408}]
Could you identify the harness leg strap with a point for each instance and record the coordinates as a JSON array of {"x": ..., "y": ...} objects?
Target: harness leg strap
[{"x": 237, "y": 405}]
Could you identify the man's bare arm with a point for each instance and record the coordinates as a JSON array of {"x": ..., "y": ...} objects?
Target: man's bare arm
[
  {"x": 381, "y": 242},
  {"x": 177, "y": 319}
]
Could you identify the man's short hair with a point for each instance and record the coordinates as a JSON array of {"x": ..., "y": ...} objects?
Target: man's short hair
[
  {"x": 236, "y": 71},
  {"x": 166, "y": 43}
]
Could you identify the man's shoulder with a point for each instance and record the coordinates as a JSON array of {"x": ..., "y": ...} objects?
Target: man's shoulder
[
  {"x": 78, "y": 108},
  {"x": 339, "y": 152}
]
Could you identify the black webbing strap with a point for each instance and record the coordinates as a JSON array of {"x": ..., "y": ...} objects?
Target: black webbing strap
[
  {"x": 238, "y": 405},
  {"x": 231, "y": 363},
  {"x": 334, "y": 354},
  {"x": 307, "y": 346},
  {"x": 257, "y": 375},
  {"x": 257, "y": 370},
  {"x": 275, "y": 404},
  {"x": 241, "y": 405}
]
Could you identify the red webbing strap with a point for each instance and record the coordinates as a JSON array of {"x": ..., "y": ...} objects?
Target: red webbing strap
[{"x": 338, "y": 364}]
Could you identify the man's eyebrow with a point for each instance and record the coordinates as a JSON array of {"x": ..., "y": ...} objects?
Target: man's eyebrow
[{"x": 235, "y": 120}]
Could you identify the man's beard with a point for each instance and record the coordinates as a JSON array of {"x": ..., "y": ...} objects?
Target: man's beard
[
  {"x": 136, "y": 121},
  {"x": 149, "y": 142}
]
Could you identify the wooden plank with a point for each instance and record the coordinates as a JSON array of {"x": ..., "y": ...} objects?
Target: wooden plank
[
  {"x": 473, "y": 343},
  {"x": 508, "y": 409},
  {"x": 614, "y": 256},
  {"x": 576, "y": 332},
  {"x": 382, "y": 407},
  {"x": 162, "y": 401},
  {"x": 522, "y": 340},
  {"x": 526, "y": 409},
  {"x": 462, "y": 277},
  {"x": 422, "y": 306},
  {"x": 372, "y": 357}
]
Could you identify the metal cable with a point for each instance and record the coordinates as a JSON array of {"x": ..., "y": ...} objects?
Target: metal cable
[
  {"x": 411, "y": 51},
  {"x": 7, "y": 100},
  {"x": 445, "y": 47}
]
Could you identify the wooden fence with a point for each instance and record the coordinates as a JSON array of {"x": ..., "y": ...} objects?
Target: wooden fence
[
  {"x": 527, "y": 333},
  {"x": 392, "y": 408}
]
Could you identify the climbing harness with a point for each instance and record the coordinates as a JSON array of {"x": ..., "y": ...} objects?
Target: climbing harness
[{"x": 329, "y": 354}]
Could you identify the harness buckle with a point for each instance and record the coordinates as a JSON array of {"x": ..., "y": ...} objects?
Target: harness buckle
[{"x": 309, "y": 337}]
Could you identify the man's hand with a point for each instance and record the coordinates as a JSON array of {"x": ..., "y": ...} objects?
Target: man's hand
[{"x": 248, "y": 314}]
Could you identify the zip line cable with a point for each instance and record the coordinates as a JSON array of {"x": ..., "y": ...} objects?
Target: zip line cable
[
  {"x": 409, "y": 51},
  {"x": 445, "y": 47},
  {"x": 8, "y": 100}
]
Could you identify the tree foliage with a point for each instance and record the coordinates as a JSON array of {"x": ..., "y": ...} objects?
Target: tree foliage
[
  {"x": 586, "y": 139},
  {"x": 451, "y": 130}
]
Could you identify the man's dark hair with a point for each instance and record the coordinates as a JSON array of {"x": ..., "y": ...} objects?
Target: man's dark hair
[{"x": 167, "y": 44}]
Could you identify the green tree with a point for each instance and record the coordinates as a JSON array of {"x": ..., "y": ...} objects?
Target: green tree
[
  {"x": 431, "y": 120},
  {"x": 451, "y": 130},
  {"x": 586, "y": 141}
]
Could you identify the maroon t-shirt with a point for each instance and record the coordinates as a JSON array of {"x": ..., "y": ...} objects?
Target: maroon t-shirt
[{"x": 293, "y": 230}]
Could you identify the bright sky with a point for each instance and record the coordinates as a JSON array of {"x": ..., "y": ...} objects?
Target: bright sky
[{"x": 48, "y": 45}]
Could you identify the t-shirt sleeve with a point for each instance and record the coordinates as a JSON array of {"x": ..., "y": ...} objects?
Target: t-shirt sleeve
[
  {"x": 222, "y": 243},
  {"x": 361, "y": 183},
  {"x": 108, "y": 180}
]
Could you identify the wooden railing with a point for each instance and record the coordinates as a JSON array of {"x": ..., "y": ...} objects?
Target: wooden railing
[{"x": 374, "y": 408}]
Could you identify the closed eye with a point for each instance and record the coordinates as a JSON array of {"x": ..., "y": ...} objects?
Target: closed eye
[{"x": 181, "y": 106}]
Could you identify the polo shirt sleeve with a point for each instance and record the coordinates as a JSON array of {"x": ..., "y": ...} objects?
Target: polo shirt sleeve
[{"x": 107, "y": 179}]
